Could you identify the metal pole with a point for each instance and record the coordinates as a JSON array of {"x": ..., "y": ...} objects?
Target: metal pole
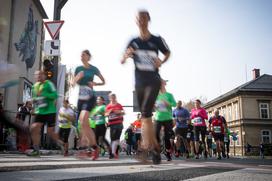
[{"x": 58, "y": 5}]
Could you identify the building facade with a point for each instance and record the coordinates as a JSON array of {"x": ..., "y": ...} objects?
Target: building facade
[
  {"x": 248, "y": 112},
  {"x": 21, "y": 44}
]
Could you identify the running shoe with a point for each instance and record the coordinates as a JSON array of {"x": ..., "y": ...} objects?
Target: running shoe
[
  {"x": 34, "y": 153},
  {"x": 66, "y": 154},
  {"x": 177, "y": 154},
  {"x": 111, "y": 156},
  {"x": 95, "y": 154}
]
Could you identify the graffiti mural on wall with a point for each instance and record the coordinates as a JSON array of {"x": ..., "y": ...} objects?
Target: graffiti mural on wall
[{"x": 27, "y": 44}]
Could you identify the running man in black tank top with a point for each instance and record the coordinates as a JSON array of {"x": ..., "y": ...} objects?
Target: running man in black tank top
[{"x": 144, "y": 50}]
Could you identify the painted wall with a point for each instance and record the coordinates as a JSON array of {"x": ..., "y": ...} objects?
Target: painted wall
[
  {"x": 26, "y": 34},
  {"x": 4, "y": 39}
]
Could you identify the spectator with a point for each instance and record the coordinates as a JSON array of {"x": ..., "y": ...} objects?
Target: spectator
[
  {"x": 129, "y": 139},
  {"x": 248, "y": 148},
  {"x": 23, "y": 117},
  {"x": 262, "y": 150}
]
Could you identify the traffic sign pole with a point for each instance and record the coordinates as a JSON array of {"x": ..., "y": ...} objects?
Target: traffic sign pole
[{"x": 58, "y": 5}]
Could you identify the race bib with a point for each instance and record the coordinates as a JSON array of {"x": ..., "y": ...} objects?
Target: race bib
[
  {"x": 145, "y": 60},
  {"x": 217, "y": 129},
  {"x": 197, "y": 121},
  {"x": 113, "y": 116},
  {"x": 85, "y": 93},
  {"x": 97, "y": 117},
  {"x": 188, "y": 135},
  {"x": 161, "y": 107},
  {"x": 209, "y": 137},
  {"x": 138, "y": 130},
  {"x": 63, "y": 122},
  {"x": 40, "y": 102},
  {"x": 226, "y": 139}
]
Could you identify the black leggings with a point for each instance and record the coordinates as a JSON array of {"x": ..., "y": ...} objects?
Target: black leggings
[
  {"x": 115, "y": 132},
  {"x": 64, "y": 134},
  {"x": 100, "y": 132},
  {"x": 226, "y": 146},
  {"x": 168, "y": 132},
  {"x": 146, "y": 96}
]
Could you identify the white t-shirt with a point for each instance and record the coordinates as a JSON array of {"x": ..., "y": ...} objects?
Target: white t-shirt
[{"x": 63, "y": 122}]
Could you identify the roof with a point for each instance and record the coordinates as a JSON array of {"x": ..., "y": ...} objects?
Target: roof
[
  {"x": 260, "y": 84},
  {"x": 40, "y": 8}
]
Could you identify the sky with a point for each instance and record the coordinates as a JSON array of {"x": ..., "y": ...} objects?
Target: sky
[{"x": 214, "y": 44}]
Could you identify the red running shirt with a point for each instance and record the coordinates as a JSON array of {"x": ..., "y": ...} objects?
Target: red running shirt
[{"x": 114, "y": 118}]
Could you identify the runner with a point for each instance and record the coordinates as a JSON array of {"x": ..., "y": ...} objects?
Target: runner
[
  {"x": 217, "y": 125},
  {"x": 115, "y": 113},
  {"x": 66, "y": 117},
  {"x": 181, "y": 116},
  {"x": 190, "y": 139},
  {"x": 198, "y": 116},
  {"x": 163, "y": 116},
  {"x": 144, "y": 50},
  {"x": 226, "y": 147},
  {"x": 84, "y": 76},
  {"x": 137, "y": 125},
  {"x": 209, "y": 143},
  {"x": 98, "y": 115},
  {"x": 44, "y": 97},
  {"x": 23, "y": 117}
]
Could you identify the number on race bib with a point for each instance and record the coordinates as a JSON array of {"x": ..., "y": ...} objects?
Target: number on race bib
[
  {"x": 40, "y": 102},
  {"x": 217, "y": 129},
  {"x": 145, "y": 60},
  {"x": 188, "y": 135},
  {"x": 226, "y": 139},
  {"x": 113, "y": 116},
  {"x": 197, "y": 121},
  {"x": 85, "y": 93},
  {"x": 161, "y": 107}
]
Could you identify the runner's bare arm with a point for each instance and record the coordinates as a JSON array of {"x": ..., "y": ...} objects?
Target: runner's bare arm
[
  {"x": 92, "y": 83},
  {"x": 128, "y": 54},
  {"x": 77, "y": 78}
]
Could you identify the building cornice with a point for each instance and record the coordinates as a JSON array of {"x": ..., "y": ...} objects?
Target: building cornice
[{"x": 40, "y": 8}]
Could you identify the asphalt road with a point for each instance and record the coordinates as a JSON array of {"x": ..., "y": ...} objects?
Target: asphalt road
[{"x": 15, "y": 167}]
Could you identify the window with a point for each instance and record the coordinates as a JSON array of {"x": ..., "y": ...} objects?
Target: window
[
  {"x": 230, "y": 112},
  {"x": 236, "y": 115},
  {"x": 266, "y": 136},
  {"x": 224, "y": 112},
  {"x": 264, "y": 110},
  {"x": 238, "y": 142}
]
